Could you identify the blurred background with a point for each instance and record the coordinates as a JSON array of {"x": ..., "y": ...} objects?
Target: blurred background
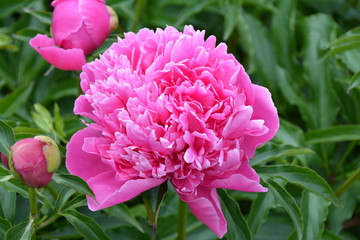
[{"x": 307, "y": 52}]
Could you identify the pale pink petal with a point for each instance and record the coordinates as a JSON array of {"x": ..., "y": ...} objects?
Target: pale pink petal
[
  {"x": 204, "y": 204},
  {"x": 69, "y": 59},
  {"x": 80, "y": 163},
  {"x": 263, "y": 108},
  {"x": 110, "y": 190}
]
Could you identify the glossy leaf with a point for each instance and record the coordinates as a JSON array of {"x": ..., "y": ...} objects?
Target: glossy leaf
[
  {"x": 74, "y": 182},
  {"x": 238, "y": 228},
  {"x": 7, "y": 138},
  {"x": 284, "y": 199},
  {"x": 85, "y": 225},
  {"x": 334, "y": 134},
  {"x": 22, "y": 231},
  {"x": 301, "y": 176}
]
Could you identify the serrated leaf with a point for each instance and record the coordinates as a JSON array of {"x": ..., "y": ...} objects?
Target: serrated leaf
[
  {"x": 285, "y": 200},
  {"x": 22, "y": 231},
  {"x": 314, "y": 210},
  {"x": 74, "y": 182},
  {"x": 338, "y": 133},
  {"x": 85, "y": 225},
  {"x": 259, "y": 211},
  {"x": 7, "y": 138},
  {"x": 301, "y": 176},
  {"x": 238, "y": 227}
]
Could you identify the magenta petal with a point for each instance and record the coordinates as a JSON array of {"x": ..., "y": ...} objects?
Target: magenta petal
[
  {"x": 263, "y": 108},
  {"x": 238, "y": 182},
  {"x": 204, "y": 204},
  {"x": 80, "y": 163},
  {"x": 110, "y": 190},
  {"x": 65, "y": 59}
]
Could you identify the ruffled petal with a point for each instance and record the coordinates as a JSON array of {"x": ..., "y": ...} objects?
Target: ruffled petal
[
  {"x": 81, "y": 163},
  {"x": 204, "y": 204},
  {"x": 69, "y": 59},
  {"x": 110, "y": 190},
  {"x": 263, "y": 108}
]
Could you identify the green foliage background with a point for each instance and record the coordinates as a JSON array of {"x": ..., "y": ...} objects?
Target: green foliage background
[{"x": 307, "y": 52}]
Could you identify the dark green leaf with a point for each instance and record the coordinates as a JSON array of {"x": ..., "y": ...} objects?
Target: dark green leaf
[
  {"x": 238, "y": 228},
  {"x": 231, "y": 11},
  {"x": 7, "y": 138},
  {"x": 85, "y": 225},
  {"x": 63, "y": 198},
  {"x": 314, "y": 210},
  {"x": 42, "y": 118},
  {"x": 334, "y": 134},
  {"x": 44, "y": 17},
  {"x": 271, "y": 151},
  {"x": 22, "y": 231},
  {"x": 355, "y": 82},
  {"x": 13, "y": 101},
  {"x": 13, "y": 185},
  {"x": 122, "y": 211},
  {"x": 289, "y": 204},
  {"x": 8, "y": 203},
  {"x": 259, "y": 211},
  {"x": 74, "y": 182},
  {"x": 4, "y": 226},
  {"x": 301, "y": 176}
]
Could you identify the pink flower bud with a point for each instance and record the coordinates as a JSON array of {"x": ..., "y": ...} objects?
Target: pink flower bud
[
  {"x": 4, "y": 160},
  {"x": 34, "y": 160},
  {"x": 78, "y": 28}
]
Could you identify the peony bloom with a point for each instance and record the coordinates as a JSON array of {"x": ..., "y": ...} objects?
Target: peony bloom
[
  {"x": 170, "y": 106},
  {"x": 34, "y": 160},
  {"x": 78, "y": 27}
]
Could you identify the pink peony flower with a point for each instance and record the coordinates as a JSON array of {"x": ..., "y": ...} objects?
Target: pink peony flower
[
  {"x": 4, "y": 160},
  {"x": 171, "y": 106},
  {"x": 78, "y": 27},
  {"x": 34, "y": 160}
]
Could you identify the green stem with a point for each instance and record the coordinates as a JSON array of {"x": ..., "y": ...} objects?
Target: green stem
[
  {"x": 348, "y": 183},
  {"x": 182, "y": 220},
  {"x": 52, "y": 190},
  {"x": 140, "y": 6},
  {"x": 33, "y": 208}
]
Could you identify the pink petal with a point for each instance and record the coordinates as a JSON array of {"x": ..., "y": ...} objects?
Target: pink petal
[
  {"x": 80, "y": 163},
  {"x": 263, "y": 108},
  {"x": 97, "y": 22},
  {"x": 204, "y": 204},
  {"x": 110, "y": 190},
  {"x": 238, "y": 182},
  {"x": 69, "y": 59}
]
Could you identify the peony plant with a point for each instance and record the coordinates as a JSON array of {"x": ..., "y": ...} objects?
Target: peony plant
[
  {"x": 170, "y": 105},
  {"x": 78, "y": 27}
]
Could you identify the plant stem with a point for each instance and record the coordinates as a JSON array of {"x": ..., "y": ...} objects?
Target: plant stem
[
  {"x": 52, "y": 190},
  {"x": 348, "y": 183},
  {"x": 33, "y": 208},
  {"x": 182, "y": 220}
]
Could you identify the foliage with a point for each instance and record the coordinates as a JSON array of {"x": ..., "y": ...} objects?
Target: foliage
[{"x": 306, "y": 52}]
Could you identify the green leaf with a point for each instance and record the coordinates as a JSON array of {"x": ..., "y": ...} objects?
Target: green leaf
[
  {"x": 4, "y": 226},
  {"x": 74, "y": 182},
  {"x": 62, "y": 199},
  {"x": 85, "y": 225},
  {"x": 8, "y": 203},
  {"x": 7, "y": 138},
  {"x": 42, "y": 118},
  {"x": 327, "y": 235},
  {"x": 58, "y": 121},
  {"x": 259, "y": 210},
  {"x": 22, "y": 231},
  {"x": 13, "y": 185},
  {"x": 191, "y": 9},
  {"x": 337, "y": 133},
  {"x": 13, "y": 101},
  {"x": 153, "y": 199},
  {"x": 314, "y": 210},
  {"x": 44, "y": 17},
  {"x": 271, "y": 151},
  {"x": 238, "y": 228},
  {"x": 285, "y": 200},
  {"x": 355, "y": 82},
  {"x": 231, "y": 11},
  {"x": 301, "y": 176},
  {"x": 122, "y": 211}
]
